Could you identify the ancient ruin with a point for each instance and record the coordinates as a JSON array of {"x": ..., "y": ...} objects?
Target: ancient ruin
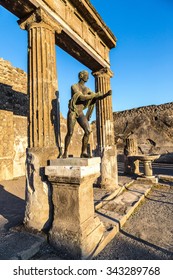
[
  {"x": 58, "y": 189},
  {"x": 13, "y": 121},
  {"x": 76, "y": 27},
  {"x": 147, "y": 124}
]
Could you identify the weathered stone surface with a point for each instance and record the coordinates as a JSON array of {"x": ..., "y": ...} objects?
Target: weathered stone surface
[
  {"x": 83, "y": 28},
  {"x": 6, "y": 147},
  {"x": 75, "y": 161},
  {"x": 20, "y": 246},
  {"x": 20, "y": 145},
  {"x": 13, "y": 121},
  {"x": 152, "y": 126},
  {"x": 12, "y": 77},
  {"x": 75, "y": 230},
  {"x": 106, "y": 148},
  {"x": 38, "y": 213}
]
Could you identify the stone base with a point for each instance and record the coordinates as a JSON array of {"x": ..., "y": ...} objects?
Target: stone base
[
  {"x": 149, "y": 179},
  {"x": 109, "y": 169},
  {"x": 75, "y": 230},
  {"x": 81, "y": 244},
  {"x": 38, "y": 214}
]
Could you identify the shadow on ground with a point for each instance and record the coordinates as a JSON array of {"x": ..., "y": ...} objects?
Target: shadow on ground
[{"x": 12, "y": 209}]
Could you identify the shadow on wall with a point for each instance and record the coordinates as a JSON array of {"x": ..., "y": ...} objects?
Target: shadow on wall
[
  {"x": 55, "y": 119},
  {"x": 14, "y": 101}
]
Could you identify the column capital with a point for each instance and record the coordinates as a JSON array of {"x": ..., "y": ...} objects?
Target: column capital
[
  {"x": 39, "y": 16},
  {"x": 102, "y": 72}
]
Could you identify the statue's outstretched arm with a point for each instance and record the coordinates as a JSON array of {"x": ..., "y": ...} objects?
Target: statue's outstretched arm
[{"x": 100, "y": 96}]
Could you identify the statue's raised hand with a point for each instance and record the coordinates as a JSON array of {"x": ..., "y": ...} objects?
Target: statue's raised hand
[{"x": 109, "y": 92}]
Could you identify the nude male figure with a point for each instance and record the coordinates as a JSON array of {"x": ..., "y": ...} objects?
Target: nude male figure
[{"x": 81, "y": 98}]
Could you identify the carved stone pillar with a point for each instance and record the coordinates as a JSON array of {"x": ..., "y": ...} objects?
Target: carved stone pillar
[
  {"x": 42, "y": 89},
  {"x": 105, "y": 131},
  {"x": 42, "y": 84},
  {"x": 42, "y": 78}
]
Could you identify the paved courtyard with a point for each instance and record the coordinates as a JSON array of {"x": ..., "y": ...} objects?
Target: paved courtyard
[{"x": 148, "y": 233}]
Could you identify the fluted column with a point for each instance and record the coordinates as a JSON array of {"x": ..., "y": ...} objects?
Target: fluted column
[
  {"x": 42, "y": 84},
  {"x": 105, "y": 131},
  {"x": 42, "y": 77},
  {"x": 42, "y": 89}
]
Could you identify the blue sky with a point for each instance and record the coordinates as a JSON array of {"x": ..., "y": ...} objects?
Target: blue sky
[{"x": 142, "y": 62}]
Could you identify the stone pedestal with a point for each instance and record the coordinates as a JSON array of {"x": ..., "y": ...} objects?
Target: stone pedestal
[
  {"x": 148, "y": 171},
  {"x": 147, "y": 163},
  {"x": 75, "y": 230}
]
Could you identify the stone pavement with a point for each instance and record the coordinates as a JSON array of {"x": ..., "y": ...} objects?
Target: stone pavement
[{"x": 113, "y": 209}]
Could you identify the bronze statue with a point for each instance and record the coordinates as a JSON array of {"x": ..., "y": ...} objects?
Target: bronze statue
[{"x": 81, "y": 98}]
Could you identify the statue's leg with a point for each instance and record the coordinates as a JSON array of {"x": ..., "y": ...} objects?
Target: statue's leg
[
  {"x": 83, "y": 122},
  {"x": 71, "y": 120}
]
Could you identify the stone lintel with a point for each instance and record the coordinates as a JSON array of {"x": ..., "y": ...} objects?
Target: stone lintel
[{"x": 23, "y": 8}]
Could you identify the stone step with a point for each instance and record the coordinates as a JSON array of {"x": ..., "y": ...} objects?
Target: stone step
[
  {"x": 115, "y": 211},
  {"x": 102, "y": 197},
  {"x": 20, "y": 245}
]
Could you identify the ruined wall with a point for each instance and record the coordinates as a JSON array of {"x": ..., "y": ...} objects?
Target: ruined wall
[
  {"x": 153, "y": 126},
  {"x": 13, "y": 120}
]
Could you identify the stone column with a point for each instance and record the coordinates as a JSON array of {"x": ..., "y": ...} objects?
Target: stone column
[
  {"x": 42, "y": 89},
  {"x": 131, "y": 164},
  {"x": 106, "y": 148},
  {"x": 42, "y": 84},
  {"x": 148, "y": 171}
]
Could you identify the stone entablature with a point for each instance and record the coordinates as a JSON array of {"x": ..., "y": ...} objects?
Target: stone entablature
[{"x": 84, "y": 34}]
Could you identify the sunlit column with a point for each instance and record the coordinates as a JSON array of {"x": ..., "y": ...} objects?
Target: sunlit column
[
  {"x": 42, "y": 84},
  {"x": 105, "y": 131}
]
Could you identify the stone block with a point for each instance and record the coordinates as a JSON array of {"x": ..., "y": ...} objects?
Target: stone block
[
  {"x": 20, "y": 246},
  {"x": 75, "y": 230},
  {"x": 75, "y": 161}
]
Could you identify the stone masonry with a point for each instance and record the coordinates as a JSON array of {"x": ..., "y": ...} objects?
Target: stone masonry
[{"x": 13, "y": 120}]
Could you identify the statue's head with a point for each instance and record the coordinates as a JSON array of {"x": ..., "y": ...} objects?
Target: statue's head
[{"x": 83, "y": 75}]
